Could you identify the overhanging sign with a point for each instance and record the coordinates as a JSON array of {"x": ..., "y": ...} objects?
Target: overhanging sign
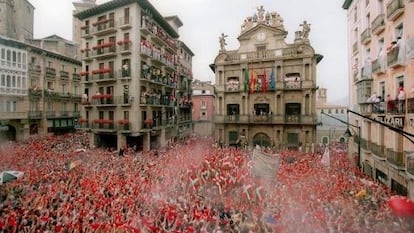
[{"x": 394, "y": 121}]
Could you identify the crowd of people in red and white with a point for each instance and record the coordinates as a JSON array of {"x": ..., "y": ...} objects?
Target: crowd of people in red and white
[{"x": 191, "y": 187}]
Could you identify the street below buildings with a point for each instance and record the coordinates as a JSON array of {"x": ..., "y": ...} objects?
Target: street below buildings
[{"x": 194, "y": 186}]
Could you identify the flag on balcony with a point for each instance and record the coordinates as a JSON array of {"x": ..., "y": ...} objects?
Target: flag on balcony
[
  {"x": 252, "y": 81},
  {"x": 264, "y": 80},
  {"x": 246, "y": 80},
  {"x": 272, "y": 80}
]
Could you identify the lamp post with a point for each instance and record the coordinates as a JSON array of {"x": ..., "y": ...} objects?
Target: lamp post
[{"x": 349, "y": 134}]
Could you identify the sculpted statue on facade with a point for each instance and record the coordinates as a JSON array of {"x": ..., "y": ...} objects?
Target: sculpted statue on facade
[
  {"x": 261, "y": 12},
  {"x": 272, "y": 19},
  {"x": 305, "y": 29},
  {"x": 222, "y": 40},
  {"x": 276, "y": 20}
]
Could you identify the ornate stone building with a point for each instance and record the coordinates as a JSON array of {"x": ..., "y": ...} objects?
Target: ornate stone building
[{"x": 265, "y": 89}]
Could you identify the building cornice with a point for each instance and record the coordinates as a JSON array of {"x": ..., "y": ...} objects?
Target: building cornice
[
  {"x": 35, "y": 49},
  {"x": 114, "y": 4},
  {"x": 185, "y": 47}
]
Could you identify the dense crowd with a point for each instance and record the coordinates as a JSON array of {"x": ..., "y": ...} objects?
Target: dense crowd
[{"x": 190, "y": 187}]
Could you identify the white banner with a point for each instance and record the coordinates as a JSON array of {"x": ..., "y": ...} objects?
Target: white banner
[{"x": 265, "y": 164}]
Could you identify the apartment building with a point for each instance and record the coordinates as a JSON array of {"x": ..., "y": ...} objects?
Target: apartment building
[
  {"x": 39, "y": 89},
  {"x": 136, "y": 75},
  {"x": 203, "y": 107},
  {"x": 381, "y": 69},
  {"x": 266, "y": 89}
]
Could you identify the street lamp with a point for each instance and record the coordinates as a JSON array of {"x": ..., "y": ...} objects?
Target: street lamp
[{"x": 348, "y": 134}]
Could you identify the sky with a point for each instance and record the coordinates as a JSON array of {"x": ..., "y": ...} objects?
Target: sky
[{"x": 205, "y": 20}]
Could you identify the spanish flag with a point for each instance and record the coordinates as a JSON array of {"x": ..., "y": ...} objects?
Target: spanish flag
[{"x": 252, "y": 81}]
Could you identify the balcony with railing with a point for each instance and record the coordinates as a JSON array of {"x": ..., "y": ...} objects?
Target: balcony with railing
[
  {"x": 395, "y": 106},
  {"x": 394, "y": 9},
  {"x": 13, "y": 115},
  {"x": 294, "y": 84},
  {"x": 366, "y": 108},
  {"x": 64, "y": 113},
  {"x": 50, "y": 72},
  {"x": 75, "y": 114},
  {"x": 393, "y": 60},
  {"x": 366, "y": 36},
  {"x": 396, "y": 159},
  {"x": 103, "y": 125},
  {"x": 153, "y": 75},
  {"x": 378, "y": 66},
  {"x": 104, "y": 26},
  {"x": 158, "y": 35},
  {"x": 51, "y": 114},
  {"x": 103, "y": 100},
  {"x": 76, "y": 77},
  {"x": 84, "y": 123},
  {"x": 64, "y": 75},
  {"x": 266, "y": 119},
  {"x": 124, "y": 47},
  {"x": 35, "y": 93},
  {"x": 378, "y": 151},
  {"x": 235, "y": 56},
  {"x": 410, "y": 164},
  {"x": 124, "y": 23},
  {"x": 35, "y": 69},
  {"x": 366, "y": 72},
  {"x": 378, "y": 25},
  {"x": 124, "y": 125},
  {"x": 355, "y": 47},
  {"x": 103, "y": 75},
  {"x": 410, "y": 105},
  {"x": 86, "y": 32},
  {"x": 364, "y": 144},
  {"x": 103, "y": 51},
  {"x": 35, "y": 114},
  {"x": 233, "y": 86},
  {"x": 86, "y": 54}
]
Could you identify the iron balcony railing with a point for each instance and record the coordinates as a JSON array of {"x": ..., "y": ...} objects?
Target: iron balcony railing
[
  {"x": 394, "y": 9},
  {"x": 378, "y": 25}
]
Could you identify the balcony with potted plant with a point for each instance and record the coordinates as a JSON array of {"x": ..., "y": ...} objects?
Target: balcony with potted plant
[
  {"x": 103, "y": 74},
  {"x": 104, "y": 50},
  {"x": 103, "y": 124},
  {"x": 148, "y": 123},
  {"x": 124, "y": 124},
  {"x": 104, "y": 26},
  {"x": 124, "y": 46}
]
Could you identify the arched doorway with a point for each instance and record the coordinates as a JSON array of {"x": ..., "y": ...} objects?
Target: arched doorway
[
  {"x": 262, "y": 140},
  {"x": 11, "y": 133},
  {"x": 33, "y": 128}
]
